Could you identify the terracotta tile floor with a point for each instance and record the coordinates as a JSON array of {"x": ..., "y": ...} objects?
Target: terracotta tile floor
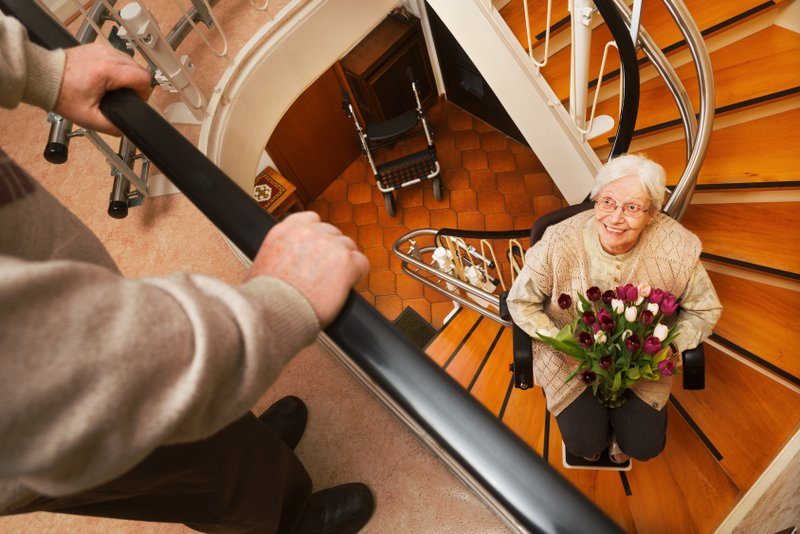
[{"x": 491, "y": 182}]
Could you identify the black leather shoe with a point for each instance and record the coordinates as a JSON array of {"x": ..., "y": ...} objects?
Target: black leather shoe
[
  {"x": 287, "y": 417},
  {"x": 341, "y": 509}
]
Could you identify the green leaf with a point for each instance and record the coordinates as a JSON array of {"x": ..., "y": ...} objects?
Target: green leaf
[
  {"x": 617, "y": 381},
  {"x": 595, "y": 386},
  {"x": 573, "y": 374},
  {"x": 633, "y": 373}
]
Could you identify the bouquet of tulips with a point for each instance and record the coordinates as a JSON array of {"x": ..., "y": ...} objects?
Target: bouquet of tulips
[{"x": 618, "y": 338}]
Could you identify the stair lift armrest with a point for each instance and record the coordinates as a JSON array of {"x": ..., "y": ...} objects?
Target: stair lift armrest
[
  {"x": 522, "y": 367},
  {"x": 694, "y": 368}
]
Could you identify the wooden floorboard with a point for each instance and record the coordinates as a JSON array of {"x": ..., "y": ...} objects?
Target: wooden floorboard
[
  {"x": 469, "y": 358},
  {"x": 763, "y": 234},
  {"x": 492, "y": 384},
  {"x": 683, "y": 489},
  {"x": 770, "y": 144},
  {"x": 761, "y": 64},
  {"x": 525, "y": 416},
  {"x": 746, "y": 415},
  {"x": 759, "y": 318},
  {"x": 659, "y": 25},
  {"x": 451, "y": 336},
  {"x": 604, "y": 488}
]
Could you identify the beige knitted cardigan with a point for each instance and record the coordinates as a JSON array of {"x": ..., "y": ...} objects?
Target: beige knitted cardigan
[{"x": 664, "y": 257}]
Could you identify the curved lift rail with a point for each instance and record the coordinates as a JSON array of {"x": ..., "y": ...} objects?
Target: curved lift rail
[{"x": 523, "y": 489}]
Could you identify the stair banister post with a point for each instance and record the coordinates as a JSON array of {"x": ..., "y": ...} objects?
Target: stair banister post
[{"x": 581, "y": 12}]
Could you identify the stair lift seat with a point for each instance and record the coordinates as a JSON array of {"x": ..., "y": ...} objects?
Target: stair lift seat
[{"x": 693, "y": 360}]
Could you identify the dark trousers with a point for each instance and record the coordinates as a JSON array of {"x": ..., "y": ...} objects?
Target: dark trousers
[
  {"x": 241, "y": 479},
  {"x": 586, "y": 427}
]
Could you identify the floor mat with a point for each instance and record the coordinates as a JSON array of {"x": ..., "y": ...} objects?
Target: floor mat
[{"x": 417, "y": 329}]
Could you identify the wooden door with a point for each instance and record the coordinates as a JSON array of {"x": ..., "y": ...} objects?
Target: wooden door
[{"x": 314, "y": 142}]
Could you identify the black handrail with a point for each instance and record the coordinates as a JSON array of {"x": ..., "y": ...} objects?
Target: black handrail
[
  {"x": 526, "y": 487},
  {"x": 629, "y": 67}
]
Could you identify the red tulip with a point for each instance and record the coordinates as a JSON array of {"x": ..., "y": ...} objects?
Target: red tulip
[
  {"x": 605, "y": 362},
  {"x": 588, "y": 318},
  {"x": 666, "y": 367},
  {"x": 669, "y": 304},
  {"x": 657, "y": 295},
  {"x": 608, "y": 296},
  {"x": 647, "y": 317},
  {"x": 593, "y": 293},
  {"x": 585, "y": 339},
  {"x": 633, "y": 343},
  {"x": 631, "y": 293},
  {"x": 564, "y": 301},
  {"x": 652, "y": 345},
  {"x": 587, "y": 377}
]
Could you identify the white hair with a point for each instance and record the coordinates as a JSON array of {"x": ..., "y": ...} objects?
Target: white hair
[{"x": 651, "y": 176}]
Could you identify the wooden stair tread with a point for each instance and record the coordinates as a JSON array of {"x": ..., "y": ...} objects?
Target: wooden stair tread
[
  {"x": 604, "y": 488},
  {"x": 451, "y": 336},
  {"x": 759, "y": 65},
  {"x": 683, "y": 489},
  {"x": 770, "y": 145},
  {"x": 469, "y": 358},
  {"x": 514, "y": 15},
  {"x": 525, "y": 415},
  {"x": 658, "y": 23},
  {"x": 746, "y": 415},
  {"x": 755, "y": 233},
  {"x": 759, "y": 318},
  {"x": 492, "y": 383}
]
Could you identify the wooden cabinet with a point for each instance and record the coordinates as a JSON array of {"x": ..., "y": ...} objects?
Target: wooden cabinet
[{"x": 376, "y": 70}]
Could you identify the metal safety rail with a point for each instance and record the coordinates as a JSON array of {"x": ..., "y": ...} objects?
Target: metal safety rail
[
  {"x": 527, "y": 493},
  {"x": 697, "y": 133}
]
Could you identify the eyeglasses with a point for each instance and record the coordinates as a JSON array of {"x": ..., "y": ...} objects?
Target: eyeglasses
[{"x": 609, "y": 205}]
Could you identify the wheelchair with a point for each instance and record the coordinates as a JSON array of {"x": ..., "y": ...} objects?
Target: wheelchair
[{"x": 405, "y": 171}]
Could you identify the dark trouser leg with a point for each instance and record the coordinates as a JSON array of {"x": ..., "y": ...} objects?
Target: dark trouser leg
[
  {"x": 584, "y": 425},
  {"x": 241, "y": 479},
  {"x": 641, "y": 430}
]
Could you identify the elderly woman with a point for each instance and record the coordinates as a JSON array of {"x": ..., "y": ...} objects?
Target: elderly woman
[{"x": 624, "y": 239}]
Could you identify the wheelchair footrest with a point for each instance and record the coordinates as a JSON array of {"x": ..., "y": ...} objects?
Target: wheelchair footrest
[{"x": 417, "y": 166}]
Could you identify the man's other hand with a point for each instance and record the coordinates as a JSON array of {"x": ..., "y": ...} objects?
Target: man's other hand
[
  {"x": 314, "y": 257},
  {"x": 91, "y": 71}
]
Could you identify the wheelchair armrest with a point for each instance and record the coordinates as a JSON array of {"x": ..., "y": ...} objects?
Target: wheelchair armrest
[
  {"x": 523, "y": 351},
  {"x": 694, "y": 368}
]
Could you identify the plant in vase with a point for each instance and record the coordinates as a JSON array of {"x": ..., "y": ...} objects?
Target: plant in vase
[{"x": 618, "y": 338}]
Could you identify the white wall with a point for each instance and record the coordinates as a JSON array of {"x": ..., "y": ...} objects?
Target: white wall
[{"x": 272, "y": 70}]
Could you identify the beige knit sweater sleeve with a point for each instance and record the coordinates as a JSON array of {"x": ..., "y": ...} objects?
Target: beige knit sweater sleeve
[{"x": 28, "y": 73}]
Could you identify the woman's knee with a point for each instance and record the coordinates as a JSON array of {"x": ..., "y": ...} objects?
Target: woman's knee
[{"x": 643, "y": 448}]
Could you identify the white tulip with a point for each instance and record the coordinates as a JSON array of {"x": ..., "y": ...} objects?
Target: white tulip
[
  {"x": 653, "y": 307},
  {"x": 630, "y": 313},
  {"x": 600, "y": 337},
  {"x": 618, "y": 306},
  {"x": 639, "y": 300},
  {"x": 580, "y": 306},
  {"x": 660, "y": 331},
  {"x": 644, "y": 290}
]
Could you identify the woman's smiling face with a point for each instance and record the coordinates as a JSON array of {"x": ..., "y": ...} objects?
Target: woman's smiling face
[{"x": 621, "y": 213}]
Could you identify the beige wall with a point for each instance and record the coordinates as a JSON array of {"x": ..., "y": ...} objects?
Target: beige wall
[{"x": 779, "y": 508}]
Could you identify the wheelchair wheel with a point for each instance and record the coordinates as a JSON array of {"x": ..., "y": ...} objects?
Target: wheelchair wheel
[
  {"x": 388, "y": 198},
  {"x": 437, "y": 188}
]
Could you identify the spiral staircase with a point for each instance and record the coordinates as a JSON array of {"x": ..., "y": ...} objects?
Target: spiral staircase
[
  {"x": 745, "y": 210},
  {"x": 722, "y": 439}
]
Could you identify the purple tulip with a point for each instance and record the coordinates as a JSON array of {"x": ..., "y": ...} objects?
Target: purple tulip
[
  {"x": 605, "y": 362},
  {"x": 666, "y": 367},
  {"x": 588, "y": 318},
  {"x": 595, "y": 327},
  {"x": 647, "y": 317},
  {"x": 608, "y": 296},
  {"x": 633, "y": 343},
  {"x": 587, "y": 377},
  {"x": 669, "y": 304},
  {"x": 603, "y": 315},
  {"x": 585, "y": 339},
  {"x": 608, "y": 325},
  {"x": 656, "y": 296},
  {"x": 652, "y": 345},
  {"x": 631, "y": 293},
  {"x": 622, "y": 291},
  {"x": 564, "y": 301},
  {"x": 593, "y": 293}
]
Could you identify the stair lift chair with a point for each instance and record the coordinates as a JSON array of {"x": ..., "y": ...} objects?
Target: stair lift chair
[{"x": 693, "y": 370}]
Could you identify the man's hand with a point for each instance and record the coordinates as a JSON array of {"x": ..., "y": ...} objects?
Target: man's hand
[
  {"x": 315, "y": 258},
  {"x": 91, "y": 71}
]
